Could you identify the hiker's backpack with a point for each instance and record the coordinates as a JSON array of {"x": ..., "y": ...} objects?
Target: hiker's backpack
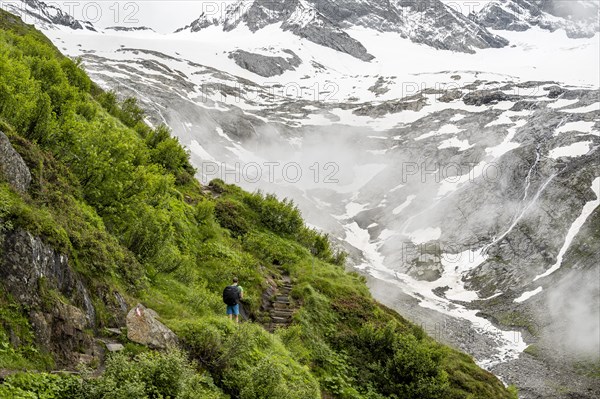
[{"x": 231, "y": 295}]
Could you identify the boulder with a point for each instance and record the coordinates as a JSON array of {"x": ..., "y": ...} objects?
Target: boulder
[
  {"x": 143, "y": 327},
  {"x": 114, "y": 347},
  {"x": 12, "y": 167}
]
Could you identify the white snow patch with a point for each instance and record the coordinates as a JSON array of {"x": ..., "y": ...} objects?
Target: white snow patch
[
  {"x": 354, "y": 208},
  {"x": 421, "y": 236},
  {"x": 454, "y": 142},
  {"x": 562, "y": 103},
  {"x": 581, "y": 126},
  {"x": 583, "y": 110},
  {"x": 573, "y": 150},
  {"x": 446, "y": 129},
  {"x": 457, "y": 117},
  {"x": 507, "y": 144},
  {"x": 497, "y": 294},
  {"x": 526, "y": 295}
]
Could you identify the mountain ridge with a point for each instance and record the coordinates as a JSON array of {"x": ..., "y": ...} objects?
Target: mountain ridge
[{"x": 324, "y": 22}]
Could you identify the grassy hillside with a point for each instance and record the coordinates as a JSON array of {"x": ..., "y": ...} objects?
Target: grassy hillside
[{"x": 119, "y": 198}]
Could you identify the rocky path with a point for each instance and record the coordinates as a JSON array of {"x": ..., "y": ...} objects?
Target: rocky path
[{"x": 278, "y": 305}]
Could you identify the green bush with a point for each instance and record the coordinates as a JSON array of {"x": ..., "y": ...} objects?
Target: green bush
[
  {"x": 147, "y": 375},
  {"x": 281, "y": 217},
  {"x": 231, "y": 215},
  {"x": 41, "y": 386}
]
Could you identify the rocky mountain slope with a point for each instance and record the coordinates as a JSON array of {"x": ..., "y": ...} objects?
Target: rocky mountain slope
[
  {"x": 326, "y": 22},
  {"x": 466, "y": 190},
  {"x": 44, "y": 14},
  {"x": 577, "y": 18}
]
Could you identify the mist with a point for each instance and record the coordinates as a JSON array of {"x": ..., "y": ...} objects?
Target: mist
[{"x": 574, "y": 309}]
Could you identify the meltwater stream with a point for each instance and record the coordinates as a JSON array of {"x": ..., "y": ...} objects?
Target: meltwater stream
[{"x": 508, "y": 344}]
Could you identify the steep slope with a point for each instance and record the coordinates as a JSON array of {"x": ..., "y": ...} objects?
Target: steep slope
[{"x": 112, "y": 216}]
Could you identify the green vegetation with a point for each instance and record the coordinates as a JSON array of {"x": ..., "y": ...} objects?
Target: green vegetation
[
  {"x": 532, "y": 350},
  {"x": 119, "y": 198},
  {"x": 143, "y": 376},
  {"x": 518, "y": 319},
  {"x": 17, "y": 348}
]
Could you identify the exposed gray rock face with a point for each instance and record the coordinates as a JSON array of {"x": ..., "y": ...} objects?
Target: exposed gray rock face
[
  {"x": 12, "y": 167},
  {"x": 390, "y": 107},
  {"x": 380, "y": 86},
  {"x": 330, "y": 36},
  {"x": 484, "y": 97},
  {"x": 264, "y": 65},
  {"x": 144, "y": 328},
  {"x": 30, "y": 269},
  {"x": 45, "y": 14},
  {"x": 324, "y": 22},
  {"x": 28, "y": 262},
  {"x": 577, "y": 18}
]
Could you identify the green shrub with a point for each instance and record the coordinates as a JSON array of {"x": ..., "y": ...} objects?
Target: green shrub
[
  {"x": 281, "y": 217},
  {"x": 41, "y": 386},
  {"x": 231, "y": 215},
  {"x": 150, "y": 375},
  {"x": 273, "y": 249}
]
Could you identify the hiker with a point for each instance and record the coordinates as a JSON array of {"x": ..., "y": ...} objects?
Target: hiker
[{"x": 232, "y": 294}]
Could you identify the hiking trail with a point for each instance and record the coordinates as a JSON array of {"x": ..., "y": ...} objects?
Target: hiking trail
[{"x": 278, "y": 304}]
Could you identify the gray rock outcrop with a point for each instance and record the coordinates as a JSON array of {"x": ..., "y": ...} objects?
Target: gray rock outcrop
[
  {"x": 12, "y": 167},
  {"x": 578, "y": 19},
  {"x": 264, "y": 65},
  {"x": 46, "y": 14},
  {"x": 143, "y": 327},
  {"x": 33, "y": 272}
]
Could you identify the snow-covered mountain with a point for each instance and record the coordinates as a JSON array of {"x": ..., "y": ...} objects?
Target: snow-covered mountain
[
  {"x": 45, "y": 15},
  {"x": 577, "y": 17},
  {"x": 465, "y": 185},
  {"x": 326, "y": 22}
]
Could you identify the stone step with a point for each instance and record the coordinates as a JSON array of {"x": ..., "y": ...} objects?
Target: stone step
[
  {"x": 115, "y": 347},
  {"x": 113, "y": 331},
  {"x": 281, "y": 305},
  {"x": 280, "y": 313},
  {"x": 280, "y": 320},
  {"x": 282, "y": 298}
]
